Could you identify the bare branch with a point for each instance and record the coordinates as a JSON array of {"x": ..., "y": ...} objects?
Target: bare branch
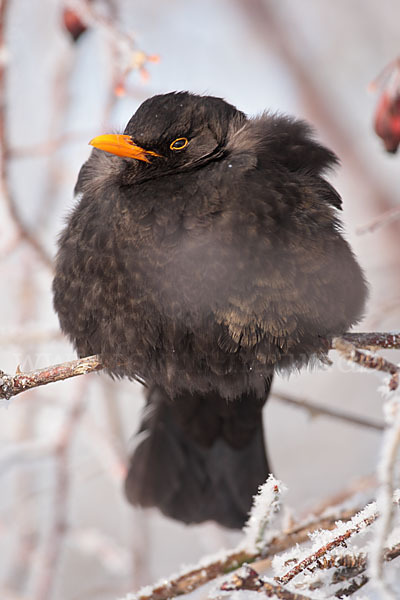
[
  {"x": 22, "y": 231},
  {"x": 12, "y": 385},
  {"x": 270, "y": 29},
  {"x": 347, "y": 345},
  {"x": 385, "y": 218},
  {"x": 48, "y": 146},
  {"x": 127, "y": 56},
  {"x": 316, "y": 409},
  {"x": 58, "y": 520}
]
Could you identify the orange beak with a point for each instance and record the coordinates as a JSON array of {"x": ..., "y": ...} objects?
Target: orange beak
[{"x": 121, "y": 145}]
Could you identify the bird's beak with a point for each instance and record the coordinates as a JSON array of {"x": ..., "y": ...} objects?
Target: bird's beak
[{"x": 121, "y": 145}]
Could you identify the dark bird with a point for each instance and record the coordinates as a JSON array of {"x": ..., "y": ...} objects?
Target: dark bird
[{"x": 204, "y": 254}]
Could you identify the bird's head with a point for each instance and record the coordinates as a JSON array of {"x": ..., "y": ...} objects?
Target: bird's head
[{"x": 174, "y": 131}]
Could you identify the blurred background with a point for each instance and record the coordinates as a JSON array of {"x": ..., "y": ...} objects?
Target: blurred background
[{"x": 73, "y": 70}]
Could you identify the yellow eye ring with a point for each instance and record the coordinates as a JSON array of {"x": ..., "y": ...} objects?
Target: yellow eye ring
[{"x": 179, "y": 143}]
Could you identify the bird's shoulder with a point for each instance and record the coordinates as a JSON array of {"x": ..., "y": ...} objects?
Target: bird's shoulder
[
  {"x": 281, "y": 153},
  {"x": 291, "y": 142}
]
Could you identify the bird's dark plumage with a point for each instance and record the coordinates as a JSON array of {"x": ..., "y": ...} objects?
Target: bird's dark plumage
[{"x": 201, "y": 260}]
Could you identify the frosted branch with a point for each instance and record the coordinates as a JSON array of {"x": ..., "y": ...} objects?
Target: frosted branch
[
  {"x": 214, "y": 566},
  {"x": 265, "y": 505},
  {"x": 335, "y": 538},
  {"x": 386, "y": 475},
  {"x": 248, "y": 579},
  {"x": 351, "y": 353}
]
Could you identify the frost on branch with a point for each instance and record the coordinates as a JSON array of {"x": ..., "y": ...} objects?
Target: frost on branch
[
  {"x": 387, "y": 496},
  {"x": 265, "y": 506},
  {"x": 322, "y": 558},
  {"x": 332, "y": 555}
]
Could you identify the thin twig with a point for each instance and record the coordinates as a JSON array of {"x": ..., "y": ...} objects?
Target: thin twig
[
  {"x": 20, "y": 382},
  {"x": 385, "y": 218},
  {"x": 386, "y": 474},
  {"x": 373, "y": 340},
  {"x": 370, "y": 361},
  {"x": 350, "y": 566},
  {"x": 197, "y": 576},
  {"x": 339, "y": 540},
  {"x": 248, "y": 579},
  {"x": 316, "y": 409},
  {"x": 56, "y": 537},
  {"x": 127, "y": 57},
  {"x": 10, "y": 201},
  {"x": 347, "y": 344},
  {"x": 48, "y": 146}
]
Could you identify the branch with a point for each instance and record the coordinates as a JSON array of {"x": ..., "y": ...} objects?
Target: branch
[
  {"x": 387, "y": 217},
  {"x": 248, "y": 579},
  {"x": 373, "y": 340},
  {"x": 11, "y": 385},
  {"x": 269, "y": 27},
  {"x": 22, "y": 231},
  {"x": 195, "y": 577},
  {"x": 370, "y": 361},
  {"x": 387, "y": 469},
  {"x": 49, "y": 146},
  {"x": 357, "y": 524},
  {"x": 21, "y": 382},
  {"x": 58, "y": 525},
  {"x": 127, "y": 56},
  {"x": 349, "y": 566},
  {"x": 316, "y": 409}
]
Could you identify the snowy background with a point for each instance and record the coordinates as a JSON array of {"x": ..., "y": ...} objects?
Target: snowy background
[{"x": 66, "y": 531}]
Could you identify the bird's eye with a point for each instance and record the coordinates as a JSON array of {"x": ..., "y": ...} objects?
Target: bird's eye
[{"x": 179, "y": 144}]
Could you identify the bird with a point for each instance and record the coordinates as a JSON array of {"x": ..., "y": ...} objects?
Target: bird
[{"x": 204, "y": 254}]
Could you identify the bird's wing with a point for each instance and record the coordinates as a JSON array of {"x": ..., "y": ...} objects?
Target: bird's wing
[{"x": 296, "y": 276}]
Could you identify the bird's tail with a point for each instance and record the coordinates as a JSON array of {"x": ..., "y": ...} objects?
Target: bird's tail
[{"x": 199, "y": 457}]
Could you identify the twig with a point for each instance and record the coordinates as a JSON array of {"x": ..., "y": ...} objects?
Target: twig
[
  {"x": 373, "y": 340},
  {"x": 48, "y": 146},
  {"x": 127, "y": 57},
  {"x": 12, "y": 385},
  {"x": 248, "y": 579},
  {"x": 354, "y": 564},
  {"x": 386, "y": 474},
  {"x": 385, "y": 218},
  {"x": 60, "y": 504},
  {"x": 20, "y": 382},
  {"x": 316, "y": 409},
  {"x": 350, "y": 566},
  {"x": 265, "y": 505},
  {"x": 268, "y": 26},
  {"x": 91, "y": 16},
  {"x": 21, "y": 228},
  {"x": 369, "y": 361},
  {"x": 197, "y": 576},
  {"x": 359, "y": 522}
]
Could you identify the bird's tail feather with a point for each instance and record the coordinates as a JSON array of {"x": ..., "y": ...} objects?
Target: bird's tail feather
[{"x": 199, "y": 458}]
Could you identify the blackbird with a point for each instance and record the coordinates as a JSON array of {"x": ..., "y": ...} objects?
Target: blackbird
[{"x": 204, "y": 254}]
